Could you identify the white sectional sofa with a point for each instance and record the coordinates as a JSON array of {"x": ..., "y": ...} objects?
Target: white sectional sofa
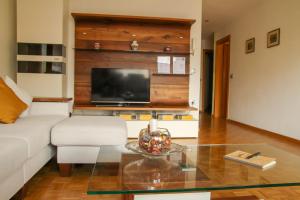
[{"x": 25, "y": 145}]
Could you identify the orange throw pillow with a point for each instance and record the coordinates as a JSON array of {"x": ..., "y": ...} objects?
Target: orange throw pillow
[{"x": 11, "y": 106}]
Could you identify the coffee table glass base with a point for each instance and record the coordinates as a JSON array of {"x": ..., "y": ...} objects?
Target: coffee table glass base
[{"x": 181, "y": 196}]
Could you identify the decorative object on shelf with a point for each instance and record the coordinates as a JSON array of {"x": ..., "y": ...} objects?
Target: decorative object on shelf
[
  {"x": 163, "y": 64},
  {"x": 166, "y": 117},
  {"x": 250, "y": 45},
  {"x": 134, "y": 45},
  {"x": 168, "y": 49},
  {"x": 273, "y": 38},
  {"x": 134, "y": 146},
  {"x": 184, "y": 117},
  {"x": 178, "y": 65},
  {"x": 97, "y": 46},
  {"x": 145, "y": 116},
  {"x": 127, "y": 117}
]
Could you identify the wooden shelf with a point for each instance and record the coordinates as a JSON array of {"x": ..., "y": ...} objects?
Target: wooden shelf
[
  {"x": 135, "y": 108},
  {"x": 130, "y": 51},
  {"x": 126, "y": 18},
  {"x": 51, "y": 99}
]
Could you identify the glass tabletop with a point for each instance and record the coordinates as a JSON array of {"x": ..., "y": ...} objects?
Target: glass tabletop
[{"x": 196, "y": 168}]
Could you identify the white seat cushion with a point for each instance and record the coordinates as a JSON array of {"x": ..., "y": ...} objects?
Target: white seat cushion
[
  {"x": 89, "y": 131},
  {"x": 34, "y": 130},
  {"x": 12, "y": 156}
]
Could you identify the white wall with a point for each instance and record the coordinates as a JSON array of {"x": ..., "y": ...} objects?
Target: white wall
[
  {"x": 40, "y": 21},
  {"x": 265, "y": 90},
  {"x": 8, "y": 38},
  {"x": 157, "y": 8}
]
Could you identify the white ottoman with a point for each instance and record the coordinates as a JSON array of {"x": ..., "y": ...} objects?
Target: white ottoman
[{"x": 78, "y": 139}]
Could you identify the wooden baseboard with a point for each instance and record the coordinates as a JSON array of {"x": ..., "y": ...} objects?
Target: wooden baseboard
[{"x": 263, "y": 131}]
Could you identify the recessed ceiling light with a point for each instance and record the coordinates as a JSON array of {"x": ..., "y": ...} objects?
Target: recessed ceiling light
[
  {"x": 133, "y": 35},
  {"x": 180, "y": 37}
]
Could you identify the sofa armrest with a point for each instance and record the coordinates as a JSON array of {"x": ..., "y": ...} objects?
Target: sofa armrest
[{"x": 51, "y": 108}]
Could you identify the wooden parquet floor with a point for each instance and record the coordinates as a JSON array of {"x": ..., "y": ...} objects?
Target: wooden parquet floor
[{"x": 48, "y": 185}]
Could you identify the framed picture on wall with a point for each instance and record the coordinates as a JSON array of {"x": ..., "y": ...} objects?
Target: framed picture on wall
[
  {"x": 250, "y": 45},
  {"x": 273, "y": 38}
]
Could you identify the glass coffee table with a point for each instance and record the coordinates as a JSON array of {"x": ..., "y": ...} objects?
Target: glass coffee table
[{"x": 193, "y": 173}]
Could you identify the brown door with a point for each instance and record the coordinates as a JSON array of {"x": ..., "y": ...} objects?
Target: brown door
[{"x": 222, "y": 77}]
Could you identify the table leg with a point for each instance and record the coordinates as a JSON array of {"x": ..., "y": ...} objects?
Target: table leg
[{"x": 65, "y": 170}]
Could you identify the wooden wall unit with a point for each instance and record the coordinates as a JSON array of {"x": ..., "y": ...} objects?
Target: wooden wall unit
[{"x": 115, "y": 34}]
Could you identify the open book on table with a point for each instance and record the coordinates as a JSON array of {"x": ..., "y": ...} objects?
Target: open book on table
[{"x": 256, "y": 161}]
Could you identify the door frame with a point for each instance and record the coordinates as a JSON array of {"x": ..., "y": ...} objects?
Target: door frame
[
  {"x": 218, "y": 77},
  {"x": 204, "y": 78}
]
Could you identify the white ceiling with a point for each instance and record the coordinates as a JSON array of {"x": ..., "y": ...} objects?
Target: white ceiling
[{"x": 221, "y": 12}]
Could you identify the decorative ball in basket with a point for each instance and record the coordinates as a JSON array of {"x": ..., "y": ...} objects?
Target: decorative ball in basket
[{"x": 155, "y": 140}]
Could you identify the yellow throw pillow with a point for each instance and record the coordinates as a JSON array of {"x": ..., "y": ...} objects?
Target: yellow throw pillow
[{"x": 10, "y": 105}]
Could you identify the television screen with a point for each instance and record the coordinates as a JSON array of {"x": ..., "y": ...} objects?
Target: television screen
[{"x": 110, "y": 85}]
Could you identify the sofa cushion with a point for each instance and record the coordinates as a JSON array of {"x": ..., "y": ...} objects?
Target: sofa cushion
[
  {"x": 22, "y": 94},
  {"x": 34, "y": 130},
  {"x": 89, "y": 131},
  {"x": 12, "y": 156},
  {"x": 11, "y": 106}
]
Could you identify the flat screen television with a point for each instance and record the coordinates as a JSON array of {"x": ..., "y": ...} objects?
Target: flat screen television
[{"x": 118, "y": 85}]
